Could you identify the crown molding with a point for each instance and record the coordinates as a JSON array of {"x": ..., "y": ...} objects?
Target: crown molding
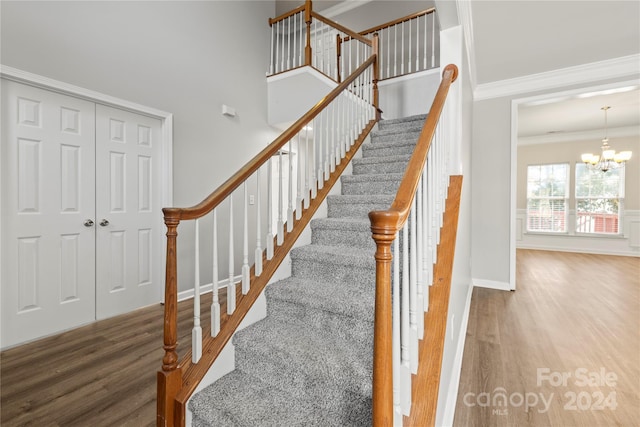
[
  {"x": 587, "y": 73},
  {"x": 342, "y": 7},
  {"x": 596, "y": 135}
]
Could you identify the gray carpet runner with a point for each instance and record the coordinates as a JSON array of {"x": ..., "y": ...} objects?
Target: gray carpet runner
[{"x": 309, "y": 362}]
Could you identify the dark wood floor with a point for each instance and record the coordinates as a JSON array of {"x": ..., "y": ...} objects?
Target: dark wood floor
[
  {"x": 570, "y": 311},
  {"x": 103, "y": 374},
  {"x": 576, "y": 315}
]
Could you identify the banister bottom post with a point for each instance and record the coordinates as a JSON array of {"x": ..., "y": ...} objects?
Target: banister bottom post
[
  {"x": 169, "y": 383},
  {"x": 383, "y": 227}
]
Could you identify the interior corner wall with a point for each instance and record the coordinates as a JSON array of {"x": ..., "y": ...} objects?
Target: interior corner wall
[
  {"x": 491, "y": 177},
  {"x": 184, "y": 57},
  {"x": 460, "y": 97}
]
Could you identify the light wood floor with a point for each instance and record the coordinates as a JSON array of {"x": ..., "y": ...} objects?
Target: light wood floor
[
  {"x": 103, "y": 374},
  {"x": 572, "y": 314}
]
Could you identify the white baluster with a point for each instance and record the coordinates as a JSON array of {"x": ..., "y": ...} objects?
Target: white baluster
[
  {"x": 402, "y": 52},
  {"x": 300, "y": 173},
  {"x": 405, "y": 344},
  {"x": 303, "y": 38},
  {"x": 418, "y": 44},
  {"x": 231, "y": 286},
  {"x": 309, "y": 165},
  {"x": 271, "y": 69},
  {"x": 413, "y": 289},
  {"x": 288, "y": 43},
  {"x": 419, "y": 260},
  {"x": 395, "y": 300},
  {"x": 258, "y": 252},
  {"x": 269, "y": 238},
  {"x": 294, "y": 51},
  {"x": 326, "y": 142},
  {"x": 196, "y": 333},
  {"x": 387, "y": 58},
  {"x": 280, "y": 232},
  {"x": 426, "y": 27},
  {"x": 245, "y": 243},
  {"x": 433, "y": 39},
  {"x": 410, "y": 52},
  {"x": 314, "y": 168},
  {"x": 332, "y": 126},
  {"x": 215, "y": 305},
  {"x": 319, "y": 137},
  {"x": 291, "y": 181},
  {"x": 395, "y": 50},
  {"x": 427, "y": 268},
  {"x": 283, "y": 42}
]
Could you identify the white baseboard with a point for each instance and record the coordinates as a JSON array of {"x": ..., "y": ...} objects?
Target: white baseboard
[
  {"x": 205, "y": 289},
  {"x": 454, "y": 384},
  {"x": 631, "y": 252},
  {"x": 491, "y": 284}
]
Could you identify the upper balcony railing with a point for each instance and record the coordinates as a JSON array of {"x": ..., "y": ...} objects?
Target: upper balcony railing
[
  {"x": 303, "y": 37},
  {"x": 408, "y": 45}
]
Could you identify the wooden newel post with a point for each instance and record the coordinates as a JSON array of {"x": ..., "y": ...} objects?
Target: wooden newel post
[
  {"x": 307, "y": 20},
  {"x": 383, "y": 227},
  {"x": 376, "y": 64},
  {"x": 170, "y": 377}
]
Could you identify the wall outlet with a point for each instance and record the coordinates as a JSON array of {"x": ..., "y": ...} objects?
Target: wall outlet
[{"x": 252, "y": 199}]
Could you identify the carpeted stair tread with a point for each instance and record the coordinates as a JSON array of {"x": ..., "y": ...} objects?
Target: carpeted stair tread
[
  {"x": 387, "y": 129},
  {"x": 400, "y": 122},
  {"x": 242, "y": 400},
  {"x": 350, "y": 232},
  {"x": 393, "y": 139},
  {"x": 371, "y": 184},
  {"x": 358, "y": 205},
  {"x": 337, "y": 255},
  {"x": 327, "y": 296},
  {"x": 319, "y": 365},
  {"x": 381, "y": 165}
]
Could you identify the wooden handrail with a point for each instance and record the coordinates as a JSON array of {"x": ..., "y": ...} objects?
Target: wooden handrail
[
  {"x": 384, "y": 227},
  {"x": 286, "y": 15},
  {"x": 397, "y": 21},
  {"x": 352, "y": 34},
  {"x": 170, "y": 380}
]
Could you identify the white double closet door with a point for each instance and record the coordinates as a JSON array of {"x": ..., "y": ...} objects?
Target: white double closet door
[{"x": 81, "y": 221}]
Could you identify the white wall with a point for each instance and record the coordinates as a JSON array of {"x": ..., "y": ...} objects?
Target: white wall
[{"x": 187, "y": 58}]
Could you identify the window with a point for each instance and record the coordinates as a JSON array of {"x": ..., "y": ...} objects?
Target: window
[
  {"x": 599, "y": 198},
  {"x": 547, "y": 197}
]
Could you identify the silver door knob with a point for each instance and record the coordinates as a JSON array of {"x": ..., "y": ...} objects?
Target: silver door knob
[
  {"x": 104, "y": 222},
  {"x": 88, "y": 223}
]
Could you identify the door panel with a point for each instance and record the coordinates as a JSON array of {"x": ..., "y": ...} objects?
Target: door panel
[
  {"x": 47, "y": 184},
  {"x": 129, "y": 243}
]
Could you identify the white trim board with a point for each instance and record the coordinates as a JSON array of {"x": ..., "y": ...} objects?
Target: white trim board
[
  {"x": 205, "y": 289},
  {"x": 491, "y": 284},
  {"x": 626, "y": 66},
  {"x": 454, "y": 382}
]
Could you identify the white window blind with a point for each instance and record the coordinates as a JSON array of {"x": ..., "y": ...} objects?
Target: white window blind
[
  {"x": 547, "y": 197},
  {"x": 599, "y": 199}
]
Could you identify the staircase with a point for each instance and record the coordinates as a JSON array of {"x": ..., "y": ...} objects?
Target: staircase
[{"x": 309, "y": 362}]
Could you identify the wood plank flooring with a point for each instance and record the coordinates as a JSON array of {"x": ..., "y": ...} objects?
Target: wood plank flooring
[
  {"x": 102, "y": 374},
  {"x": 572, "y": 315}
]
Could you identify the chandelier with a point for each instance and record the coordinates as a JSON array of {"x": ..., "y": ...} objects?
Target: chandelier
[{"x": 608, "y": 158}]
